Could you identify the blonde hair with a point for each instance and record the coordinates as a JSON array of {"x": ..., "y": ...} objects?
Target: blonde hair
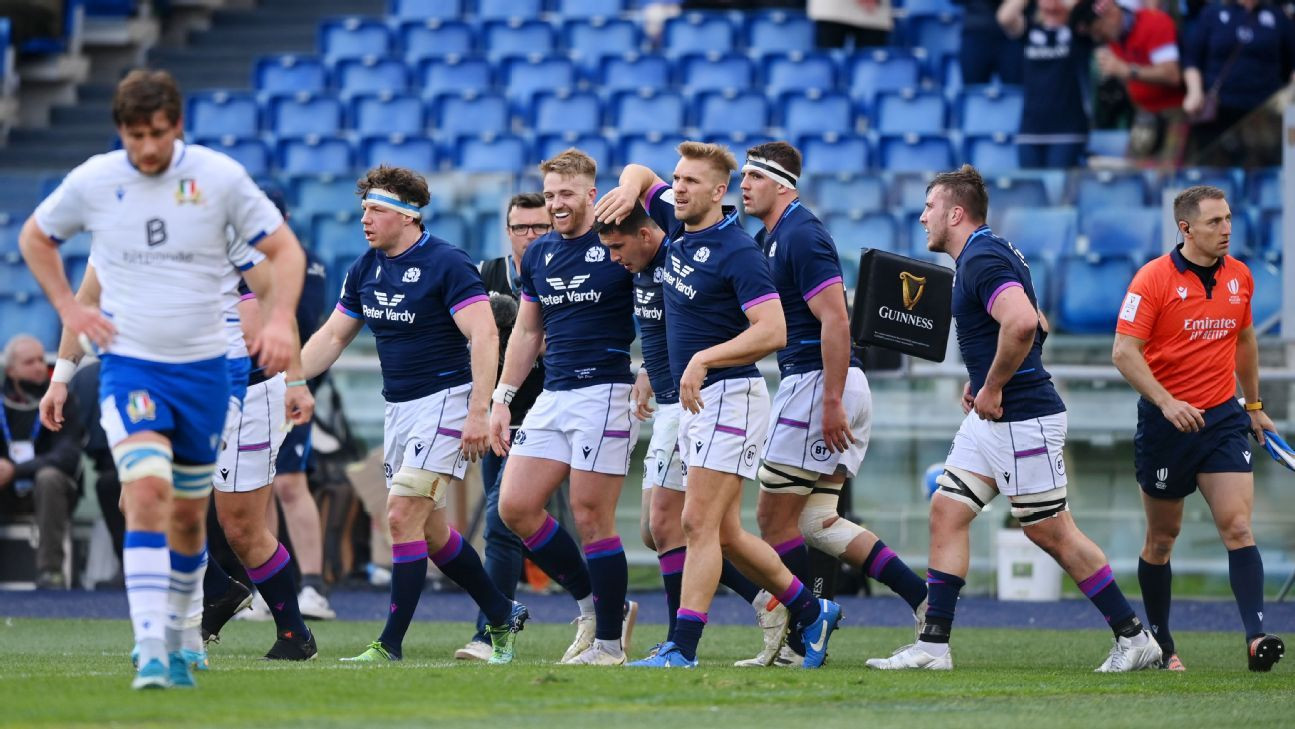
[
  {"x": 571, "y": 163},
  {"x": 717, "y": 155}
]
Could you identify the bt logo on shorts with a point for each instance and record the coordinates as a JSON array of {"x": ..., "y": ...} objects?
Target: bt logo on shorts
[
  {"x": 749, "y": 455},
  {"x": 1060, "y": 465},
  {"x": 386, "y": 469},
  {"x": 1162, "y": 475},
  {"x": 818, "y": 451},
  {"x": 520, "y": 438}
]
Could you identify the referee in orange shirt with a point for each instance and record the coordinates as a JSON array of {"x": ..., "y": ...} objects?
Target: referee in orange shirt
[{"x": 1183, "y": 338}]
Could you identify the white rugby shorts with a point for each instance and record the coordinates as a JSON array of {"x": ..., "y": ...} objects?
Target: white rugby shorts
[
  {"x": 662, "y": 466},
  {"x": 726, "y": 435},
  {"x": 588, "y": 428},
  {"x": 796, "y": 423},
  {"x": 251, "y": 440},
  {"x": 426, "y": 433},
  {"x": 1023, "y": 457}
]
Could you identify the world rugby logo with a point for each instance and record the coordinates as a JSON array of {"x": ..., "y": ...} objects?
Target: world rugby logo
[
  {"x": 1233, "y": 287},
  {"x": 912, "y": 287},
  {"x": 595, "y": 254}
]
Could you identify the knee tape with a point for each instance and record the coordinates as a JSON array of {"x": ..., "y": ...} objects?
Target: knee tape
[
  {"x": 192, "y": 482},
  {"x": 142, "y": 460},
  {"x": 965, "y": 487},
  {"x": 831, "y": 539},
  {"x": 1034, "y": 508},
  {"x": 781, "y": 479},
  {"x": 417, "y": 482}
]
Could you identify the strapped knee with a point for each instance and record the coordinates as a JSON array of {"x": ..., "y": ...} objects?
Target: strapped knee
[
  {"x": 418, "y": 483},
  {"x": 821, "y": 508},
  {"x": 192, "y": 482},
  {"x": 1034, "y": 508},
  {"x": 965, "y": 487},
  {"x": 142, "y": 459},
  {"x": 778, "y": 478}
]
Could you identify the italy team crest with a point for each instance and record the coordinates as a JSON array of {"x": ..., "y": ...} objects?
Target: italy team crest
[
  {"x": 188, "y": 192},
  {"x": 139, "y": 406}
]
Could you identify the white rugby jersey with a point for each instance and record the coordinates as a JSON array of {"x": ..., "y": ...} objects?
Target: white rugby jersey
[{"x": 160, "y": 246}]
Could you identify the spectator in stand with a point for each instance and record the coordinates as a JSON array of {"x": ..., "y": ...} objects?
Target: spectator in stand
[
  {"x": 39, "y": 468},
  {"x": 84, "y": 390},
  {"x": 859, "y": 23},
  {"x": 1054, "y": 120},
  {"x": 1239, "y": 55},
  {"x": 986, "y": 50}
]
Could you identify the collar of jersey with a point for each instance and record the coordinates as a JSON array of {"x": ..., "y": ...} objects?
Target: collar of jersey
[
  {"x": 730, "y": 217},
  {"x": 421, "y": 240},
  {"x": 790, "y": 207},
  {"x": 1182, "y": 264}
]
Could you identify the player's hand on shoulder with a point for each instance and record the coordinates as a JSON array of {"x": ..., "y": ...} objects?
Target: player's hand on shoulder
[
  {"x": 1185, "y": 417},
  {"x": 615, "y": 205},
  {"x": 298, "y": 405},
  {"x": 690, "y": 386},
  {"x": 968, "y": 402},
  {"x": 988, "y": 403},
  {"x": 51, "y": 406},
  {"x": 500, "y": 434},
  {"x": 89, "y": 322}
]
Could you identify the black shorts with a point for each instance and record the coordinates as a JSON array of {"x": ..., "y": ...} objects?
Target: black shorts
[
  {"x": 1167, "y": 460},
  {"x": 294, "y": 454}
]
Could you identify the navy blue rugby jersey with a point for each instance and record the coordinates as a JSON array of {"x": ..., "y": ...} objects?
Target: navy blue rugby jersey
[
  {"x": 408, "y": 302},
  {"x": 987, "y": 267},
  {"x": 712, "y": 276},
  {"x": 649, "y": 310},
  {"x": 802, "y": 260},
  {"x": 587, "y": 301}
]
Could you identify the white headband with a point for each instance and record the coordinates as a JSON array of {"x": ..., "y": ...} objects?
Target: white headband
[
  {"x": 772, "y": 170},
  {"x": 388, "y": 199}
]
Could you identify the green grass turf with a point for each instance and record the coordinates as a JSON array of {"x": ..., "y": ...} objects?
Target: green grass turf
[{"x": 76, "y": 673}]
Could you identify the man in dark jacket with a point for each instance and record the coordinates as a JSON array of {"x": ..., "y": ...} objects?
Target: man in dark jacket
[{"x": 38, "y": 467}]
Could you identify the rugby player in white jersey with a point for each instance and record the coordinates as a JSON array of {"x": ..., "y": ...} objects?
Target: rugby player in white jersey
[{"x": 158, "y": 211}]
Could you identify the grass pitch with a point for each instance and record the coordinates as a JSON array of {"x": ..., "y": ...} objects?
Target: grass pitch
[{"x": 76, "y": 673}]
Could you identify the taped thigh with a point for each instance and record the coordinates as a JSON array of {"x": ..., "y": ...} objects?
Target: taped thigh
[
  {"x": 143, "y": 459},
  {"x": 192, "y": 482},
  {"x": 1034, "y": 508},
  {"x": 965, "y": 487},
  {"x": 417, "y": 483},
  {"x": 819, "y": 509},
  {"x": 778, "y": 478}
]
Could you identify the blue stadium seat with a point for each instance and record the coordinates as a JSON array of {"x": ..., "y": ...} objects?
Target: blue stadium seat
[
  {"x": 655, "y": 151},
  {"x": 213, "y": 113},
  {"x": 940, "y": 35},
  {"x": 1041, "y": 233},
  {"x": 77, "y": 245},
  {"x": 779, "y": 32},
  {"x": 847, "y": 193},
  {"x": 563, "y": 111},
  {"x": 503, "y": 38},
  {"x": 1245, "y": 241},
  {"x": 1041, "y": 278},
  {"x": 507, "y": 9},
  {"x": 1103, "y": 188},
  {"x": 1267, "y": 301},
  {"x": 420, "y": 40},
  {"x": 815, "y": 112},
  {"x": 590, "y": 8},
  {"x": 634, "y": 71},
  {"x": 1121, "y": 231},
  {"x": 470, "y": 113},
  {"x": 853, "y": 231},
  {"x": 415, "y": 152},
  {"x": 338, "y": 235},
  {"x": 1016, "y": 192},
  {"x": 714, "y": 72},
  {"x": 834, "y": 153},
  {"x": 882, "y": 69},
  {"x": 647, "y": 110},
  {"x": 991, "y": 109},
  {"x": 373, "y": 114},
  {"x": 991, "y": 153},
  {"x": 1271, "y": 233},
  {"x": 454, "y": 73},
  {"x": 910, "y": 112},
  {"x": 450, "y": 227},
  {"x": 1265, "y": 188},
  {"x": 728, "y": 112},
  {"x": 929, "y": 7},
  {"x": 288, "y": 74},
  {"x": 548, "y": 146},
  {"x": 425, "y": 9},
  {"x": 908, "y": 190},
  {"x": 32, "y": 316},
  {"x": 915, "y": 153},
  {"x": 696, "y": 32},
  {"x": 488, "y": 232},
  {"x": 247, "y": 151},
  {"x": 304, "y": 113},
  {"x": 524, "y": 77},
  {"x": 1225, "y": 180},
  {"x": 491, "y": 153},
  {"x": 738, "y": 142},
  {"x": 1108, "y": 143},
  {"x": 74, "y": 265},
  {"x": 353, "y": 37},
  {"x": 370, "y": 75},
  {"x": 796, "y": 71},
  {"x": 16, "y": 280},
  {"x": 323, "y": 195},
  {"x": 314, "y": 155},
  {"x": 10, "y": 224},
  {"x": 591, "y": 40},
  {"x": 1090, "y": 292}
]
